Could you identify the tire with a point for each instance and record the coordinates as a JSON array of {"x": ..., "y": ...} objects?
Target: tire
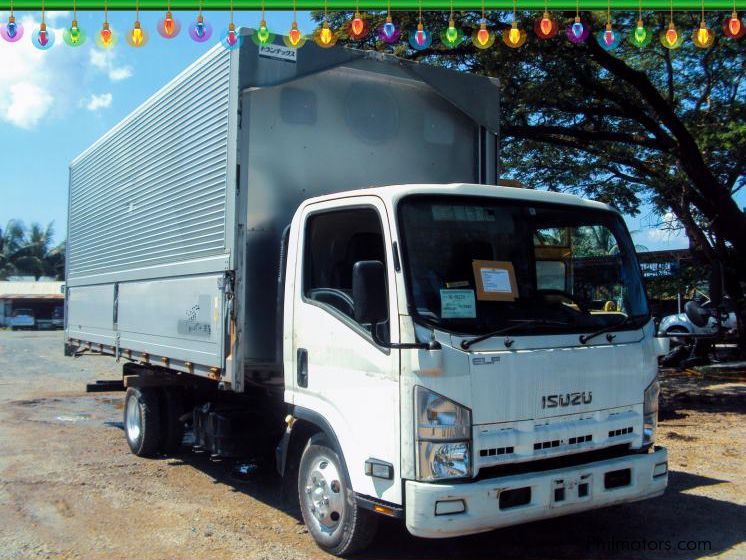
[
  {"x": 172, "y": 409},
  {"x": 327, "y": 502},
  {"x": 143, "y": 427}
]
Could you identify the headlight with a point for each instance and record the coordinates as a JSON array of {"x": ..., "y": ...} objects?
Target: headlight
[
  {"x": 650, "y": 412},
  {"x": 443, "y": 433}
]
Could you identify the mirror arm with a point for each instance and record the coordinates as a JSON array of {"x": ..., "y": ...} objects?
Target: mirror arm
[{"x": 432, "y": 345}]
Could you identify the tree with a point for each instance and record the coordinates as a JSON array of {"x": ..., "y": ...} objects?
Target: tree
[
  {"x": 30, "y": 251},
  {"x": 637, "y": 125}
]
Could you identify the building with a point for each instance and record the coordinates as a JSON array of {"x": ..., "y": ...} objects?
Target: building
[{"x": 44, "y": 299}]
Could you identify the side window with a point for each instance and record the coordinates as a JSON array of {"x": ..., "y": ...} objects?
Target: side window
[{"x": 335, "y": 241}]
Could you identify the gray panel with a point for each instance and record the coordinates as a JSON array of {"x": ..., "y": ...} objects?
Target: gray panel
[
  {"x": 90, "y": 313},
  {"x": 345, "y": 129},
  {"x": 176, "y": 317},
  {"x": 153, "y": 190}
]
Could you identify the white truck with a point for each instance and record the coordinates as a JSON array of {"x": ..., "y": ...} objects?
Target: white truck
[{"x": 307, "y": 255}]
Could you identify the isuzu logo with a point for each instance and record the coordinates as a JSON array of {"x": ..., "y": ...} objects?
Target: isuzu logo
[{"x": 566, "y": 399}]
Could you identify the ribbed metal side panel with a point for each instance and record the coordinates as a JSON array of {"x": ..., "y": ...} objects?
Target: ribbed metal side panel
[{"x": 153, "y": 190}]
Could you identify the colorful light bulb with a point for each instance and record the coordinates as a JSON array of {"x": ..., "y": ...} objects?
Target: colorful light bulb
[
  {"x": 545, "y": 27},
  {"x": 421, "y": 38},
  {"x": 608, "y": 38},
  {"x": 42, "y": 39},
  {"x": 74, "y": 35},
  {"x": 262, "y": 36},
  {"x": 514, "y": 37},
  {"x": 357, "y": 27},
  {"x": 733, "y": 27},
  {"x": 324, "y": 36},
  {"x": 11, "y": 31},
  {"x": 640, "y": 37},
  {"x": 670, "y": 38},
  {"x": 200, "y": 30},
  {"x": 357, "y": 24},
  {"x": 451, "y": 32},
  {"x": 482, "y": 38},
  {"x": 231, "y": 39},
  {"x": 137, "y": 37},
  {"x": 578, "y": 32},
  {"x": 451, "y": 36},
  {"x": 389, "y": 32},
  {"x": 702, "y": 36},
  {"x": 294, "y": 36},
  {"x": 106, "y": 37},
  {"x": 169, "y": 27}
]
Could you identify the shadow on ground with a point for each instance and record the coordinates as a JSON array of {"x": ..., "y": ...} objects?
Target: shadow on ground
[{"x": 678, "y": 525}]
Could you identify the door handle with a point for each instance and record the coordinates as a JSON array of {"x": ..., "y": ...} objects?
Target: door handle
[{"x": 302, "y": 365}]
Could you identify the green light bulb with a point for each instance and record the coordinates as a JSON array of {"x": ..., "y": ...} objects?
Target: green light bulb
[
  {"x": 451, "y": 32},
  {"x": 640, "y": 33}
]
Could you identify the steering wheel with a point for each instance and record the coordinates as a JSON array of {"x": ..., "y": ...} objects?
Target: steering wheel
[{"x": 563, "y": 294}]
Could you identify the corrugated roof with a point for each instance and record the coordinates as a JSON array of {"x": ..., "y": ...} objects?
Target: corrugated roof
[{"x": 30, "y": 289}]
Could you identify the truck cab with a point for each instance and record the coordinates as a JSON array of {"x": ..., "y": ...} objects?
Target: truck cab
[{"x": 479, "y": 356}]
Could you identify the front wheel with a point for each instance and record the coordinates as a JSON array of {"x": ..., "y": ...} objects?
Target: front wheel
[{"x": 336, "y": 522}]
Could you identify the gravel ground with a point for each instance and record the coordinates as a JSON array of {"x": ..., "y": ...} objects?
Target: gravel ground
[{"x": 69, "y": 488}]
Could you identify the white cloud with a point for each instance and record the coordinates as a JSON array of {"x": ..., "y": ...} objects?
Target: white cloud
[
  {"x": 104, "y": 61},
  {"x": 96, "y": 102},
  {"x": 34, "y": 81},
  {"x": 25, "y": 104},
  {"x": 40, "y": 85}
]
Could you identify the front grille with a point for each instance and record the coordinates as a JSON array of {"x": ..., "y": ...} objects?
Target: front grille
[
  {"x": 553, "y": 463},
  {"x": 496, "y": 451},
  {"x": 621, "y": 432},
  {"x": 557, "y": 442}
]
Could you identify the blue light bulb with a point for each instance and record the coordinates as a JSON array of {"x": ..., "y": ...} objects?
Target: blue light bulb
[
  {"x": 388, "y": 28},
  {"x": 577, "y": 29},
  {"x": 11, "y": 29}
]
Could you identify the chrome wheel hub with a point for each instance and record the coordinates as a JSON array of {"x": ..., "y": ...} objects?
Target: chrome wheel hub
[
  {"x": 324, "y": 497},
  {"x": 133, "y": 420}
]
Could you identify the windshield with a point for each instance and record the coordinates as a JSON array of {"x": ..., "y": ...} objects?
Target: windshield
[{"x": 477, "y": 264}]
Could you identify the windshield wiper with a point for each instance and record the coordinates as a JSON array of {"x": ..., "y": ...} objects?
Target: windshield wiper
[
  {"x": 519, "y": 323},
  {"x": 623, "y": 323}
]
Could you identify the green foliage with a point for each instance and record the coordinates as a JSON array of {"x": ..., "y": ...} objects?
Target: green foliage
[
  {"x": 632, "y": 126},
  {"x": 29, "y": 251}
]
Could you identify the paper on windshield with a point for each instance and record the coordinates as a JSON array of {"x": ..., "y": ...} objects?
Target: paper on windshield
[
  {"x": 457, "y": 304},
  {"x": 495, "y": 281}
]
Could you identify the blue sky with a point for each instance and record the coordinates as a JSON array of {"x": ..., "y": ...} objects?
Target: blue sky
[{"x": 56, "y": 103}]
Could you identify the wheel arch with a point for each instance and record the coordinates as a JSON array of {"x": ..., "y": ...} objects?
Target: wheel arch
[{"x": 305, "y": 425}]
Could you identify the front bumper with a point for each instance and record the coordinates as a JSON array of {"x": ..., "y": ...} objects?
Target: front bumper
[{"x": 552, "y": 493}]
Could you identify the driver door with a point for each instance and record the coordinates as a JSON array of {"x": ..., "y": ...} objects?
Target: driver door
[{"x": 340, "y": 373}]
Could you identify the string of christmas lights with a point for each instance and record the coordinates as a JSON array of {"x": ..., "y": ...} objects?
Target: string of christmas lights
[{"x": 389, "y": 32}]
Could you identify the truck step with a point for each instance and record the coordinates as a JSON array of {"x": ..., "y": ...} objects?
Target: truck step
[{"x": 105, "y": 386}]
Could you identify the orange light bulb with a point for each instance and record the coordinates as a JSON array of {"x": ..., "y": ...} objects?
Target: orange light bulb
[
  {"x": 294, "y": 35},
  {"x": 483, "y": 36},
  {"x": 734, "y": 24},
  {"x": 106, "y": 35},
  {"x": 169, "y": 26},
  {"x": 357, "y": 24},
  {"x": 671, "y": 35},
  {"x": 546, "y": 24}
]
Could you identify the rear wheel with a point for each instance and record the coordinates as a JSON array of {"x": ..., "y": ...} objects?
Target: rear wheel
[
  {"x": 142, "y": 421},
  {"x": 327, "y": 503}
]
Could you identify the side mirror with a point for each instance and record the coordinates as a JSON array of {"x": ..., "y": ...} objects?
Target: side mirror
[
  {"x": 369, "y": 292},
  {"x": 696, "y": 313}
]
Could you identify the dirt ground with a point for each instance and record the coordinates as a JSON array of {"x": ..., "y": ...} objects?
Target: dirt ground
[{"x": 69, "y": 488}]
